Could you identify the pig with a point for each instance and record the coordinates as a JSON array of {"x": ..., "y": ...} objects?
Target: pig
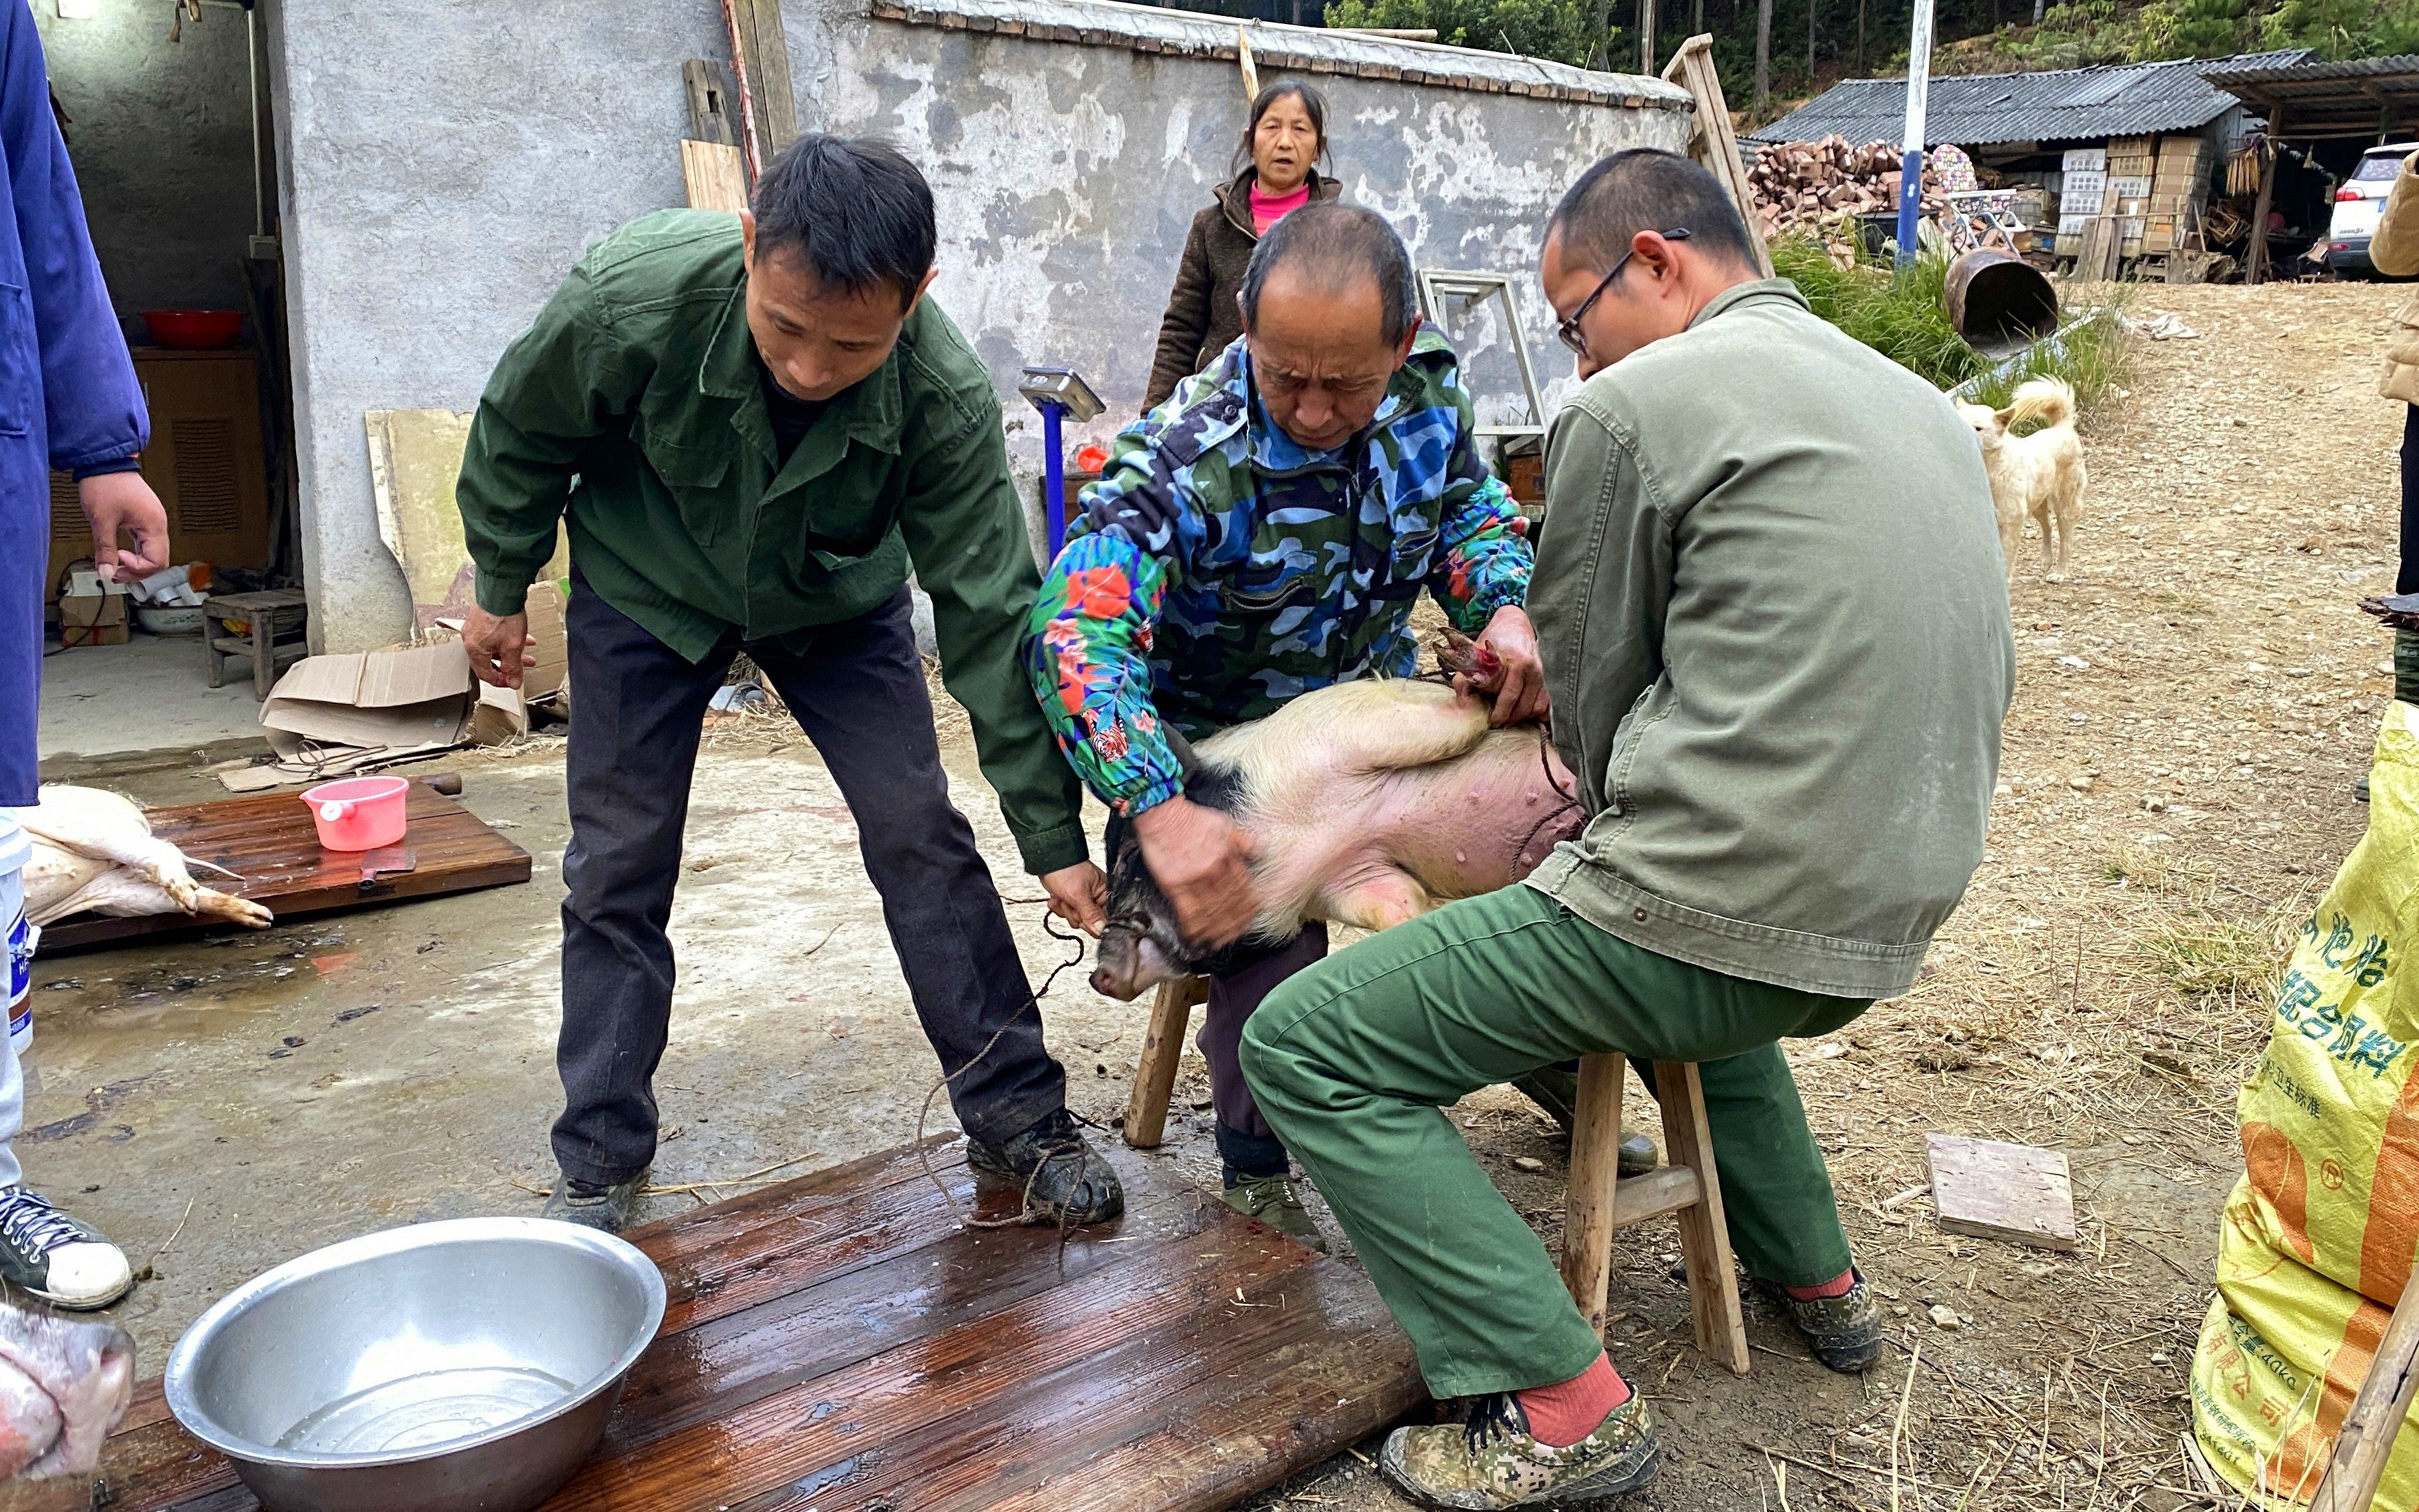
[
  {"x": 63, "y": 1384},
  {"x": 1371, "y": 802},
  {"x": 94, "y": 853}
]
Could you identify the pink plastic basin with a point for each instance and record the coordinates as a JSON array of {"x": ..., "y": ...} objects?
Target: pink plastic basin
[{"x": 360, "y": 813}]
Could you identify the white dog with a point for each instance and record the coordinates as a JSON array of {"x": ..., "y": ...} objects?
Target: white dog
[{"x": 2039, "y": 475}]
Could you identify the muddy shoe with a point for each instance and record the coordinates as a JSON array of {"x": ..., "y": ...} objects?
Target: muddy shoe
[
  {"x": 1844, "y": 1331},
  {"x": 1491, "y": 1461},
  {"x": 1064, "y": 1179},
  {"x": 1272, "y": 1200},
  {"x": 1557, "y": 1091},
  {"x": 66, "y": 1263},
  {"x": 591, "y": 1206}
]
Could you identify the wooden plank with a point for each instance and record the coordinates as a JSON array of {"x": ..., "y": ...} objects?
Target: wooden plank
[
  {"x": 1712, "y": 141},
  {"x": 711, "y": 113},
  {"x": 716, "y": 175},
  {"x": 1162, "y": 1048},
  {"x": 269, "y": 843},
  {"x": 762, "y": 59},
  {"x": 2016, "y": 1193},
  {"x": 1638, "y": 1199},
  {"x": 1704, "y": 1233},
  {"x": 2375, "y": 1421},
  {"x": 1180, "y": 1358},
  {"x": 1589, "y": 1199}
]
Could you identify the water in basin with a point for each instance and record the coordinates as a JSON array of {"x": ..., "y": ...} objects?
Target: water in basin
[{"x": 425, "y": 1411}]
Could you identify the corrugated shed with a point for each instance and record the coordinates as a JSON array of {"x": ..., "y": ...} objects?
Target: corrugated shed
[
  {"x": 2274, "y": 68},
  {"x": 2067, "y": 105}
]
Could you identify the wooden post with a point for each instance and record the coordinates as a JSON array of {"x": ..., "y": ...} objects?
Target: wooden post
[
  {"x": 2254, "y": 256},
  {"x": 1596, "y": 1169},
  {"x": 1704, "y": 1234},
  {"x": 1163, "y": 1046},
  {"x": 2369, "y": 1430},
  {"x": 1713, "y": 143}
]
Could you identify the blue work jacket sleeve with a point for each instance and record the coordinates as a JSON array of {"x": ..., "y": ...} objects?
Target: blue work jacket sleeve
[{"x": 91, "y": 404}]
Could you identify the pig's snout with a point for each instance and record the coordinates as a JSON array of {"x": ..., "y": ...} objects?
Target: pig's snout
[{"x": 1129, "y": 962}]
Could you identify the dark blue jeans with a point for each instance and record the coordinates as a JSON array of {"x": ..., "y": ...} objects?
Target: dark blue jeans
[
  {"x": 857, "y": 690},
  {"x": 2405, "y": 579}
]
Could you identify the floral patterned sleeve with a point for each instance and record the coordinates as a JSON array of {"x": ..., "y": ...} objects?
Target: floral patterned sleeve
[
  {"x": 1089, "y": 645},
  {"x": 1482, "y": 561}
]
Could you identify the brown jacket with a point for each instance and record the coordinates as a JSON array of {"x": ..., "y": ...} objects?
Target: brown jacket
[
  {"x": 2394, "y": 250},
  {"x": 1201, "y": 316}
]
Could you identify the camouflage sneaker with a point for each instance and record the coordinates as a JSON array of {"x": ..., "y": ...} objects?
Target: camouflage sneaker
[
  {"x": 1272, "y": 1200},
  {"x": 1491, "y": 1461},
  {"x": 1844, "y": 1331}
]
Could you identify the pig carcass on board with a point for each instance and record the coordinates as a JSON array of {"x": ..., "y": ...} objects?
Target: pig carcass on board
[
  {"x": 63, "y": 1384},
  {"x": 94, "y": 853},
  {"x": 1371, "y": 803}
]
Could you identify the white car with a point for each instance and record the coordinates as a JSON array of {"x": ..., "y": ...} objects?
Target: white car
[{"x": 2359, "y": 201}]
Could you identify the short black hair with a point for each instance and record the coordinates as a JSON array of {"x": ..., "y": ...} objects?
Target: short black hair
[
  {"x": 1338, "y": 244},
  {"x": 1646, "y": 189},
  {"x": 854, "y": 211},
  {"x": 1313, "y": 105}
]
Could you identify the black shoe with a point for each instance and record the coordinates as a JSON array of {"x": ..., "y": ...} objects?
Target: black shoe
[
  {"x": 591, "y": 1206},
  {"x": 1557, "y": 1091},
  {"x": 66, "y": 1263},
  {"x": 1844, "y": 1331},
  {"x": 1063, "y": 1177},
  {"x": 2359, "y": 790}
]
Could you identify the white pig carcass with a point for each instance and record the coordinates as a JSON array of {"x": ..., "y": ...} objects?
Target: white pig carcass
[{"x": 94, "y": 853}]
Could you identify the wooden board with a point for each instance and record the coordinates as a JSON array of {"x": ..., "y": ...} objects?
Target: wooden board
[
  {"x": 841, "y": 1342},
  {"x": 269, "y": 843},
  {"x": 761, "y": 56},
  {"x": 717, "y": 176},
  {"x": 2016, "y": 1193}
]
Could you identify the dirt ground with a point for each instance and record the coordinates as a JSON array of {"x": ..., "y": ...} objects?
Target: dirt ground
[{"x": 2194, "y": 701}]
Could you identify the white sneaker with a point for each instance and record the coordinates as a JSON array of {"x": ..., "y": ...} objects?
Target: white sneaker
[{"x": 64, "y": 1262}]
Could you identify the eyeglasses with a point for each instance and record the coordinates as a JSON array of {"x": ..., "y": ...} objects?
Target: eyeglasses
[{"x": 1569, "y": 330}]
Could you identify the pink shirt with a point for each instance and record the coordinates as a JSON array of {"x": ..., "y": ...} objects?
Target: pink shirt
[{"x": 1268, "y": 210}]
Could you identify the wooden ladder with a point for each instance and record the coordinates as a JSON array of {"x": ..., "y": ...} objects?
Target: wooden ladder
[
  {"x": 1598, "y": 1203},
  {"x": 1711, "y": 142}
]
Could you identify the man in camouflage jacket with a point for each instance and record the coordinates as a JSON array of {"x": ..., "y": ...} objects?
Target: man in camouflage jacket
[{"x": 1262, "y": 533}]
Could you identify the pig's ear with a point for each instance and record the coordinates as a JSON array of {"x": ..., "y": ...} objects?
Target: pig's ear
[{"x": 1186, "y": 763}]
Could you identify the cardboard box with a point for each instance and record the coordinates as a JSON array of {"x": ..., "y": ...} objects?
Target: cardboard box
[
  {"x": 553, "y": 652},
  {"x": 376, "y": 706},
  {"x": 93, "y": 619},
  {"x": 2086, "y": 159},
  {"x": 2129, "y": 186}
]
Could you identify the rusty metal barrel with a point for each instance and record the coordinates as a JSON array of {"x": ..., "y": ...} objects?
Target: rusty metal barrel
[{"x": 1999, "y": 302}]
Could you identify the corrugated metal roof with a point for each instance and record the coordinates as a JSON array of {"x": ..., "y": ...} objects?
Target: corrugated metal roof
[
  {"x": 2265, "y": 67},
  {"x": 2066, "y": 105}
]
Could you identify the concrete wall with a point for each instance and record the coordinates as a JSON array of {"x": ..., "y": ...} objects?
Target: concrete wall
[
  {"x": 160, "y": 135},
  {"x": 451, "y": 159}
]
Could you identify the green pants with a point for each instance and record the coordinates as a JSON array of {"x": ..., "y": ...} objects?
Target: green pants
[{"x": 1353, "y": 1061}]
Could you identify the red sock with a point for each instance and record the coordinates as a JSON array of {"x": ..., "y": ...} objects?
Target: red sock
[
  {"x": 1839, "y": 1286},
  {"x": 1562, "y": 1415}
]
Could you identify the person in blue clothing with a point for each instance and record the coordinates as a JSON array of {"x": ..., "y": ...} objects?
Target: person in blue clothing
[{"x": 68, "y": 400}]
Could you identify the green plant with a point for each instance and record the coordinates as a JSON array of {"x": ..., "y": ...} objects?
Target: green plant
[
  {"x": 1567, "y": 31},
  {"x": 1903, "y": 317}
]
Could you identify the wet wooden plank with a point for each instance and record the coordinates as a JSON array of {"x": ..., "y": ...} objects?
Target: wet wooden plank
[
  {"x": 269, "y": 843},
  {"x": 846, "y": 1345}
]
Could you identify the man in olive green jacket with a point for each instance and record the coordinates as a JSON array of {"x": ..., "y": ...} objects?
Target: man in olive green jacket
[
  {"x": 1771, "y": 609},
  {"x": 756, "y": 425}
]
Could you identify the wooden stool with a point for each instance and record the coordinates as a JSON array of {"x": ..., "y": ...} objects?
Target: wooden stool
[
  {"x": 1599, "y": 1201},
  {"x": 265, "y": 613},
  {"x": 1163, "y": 1046}
]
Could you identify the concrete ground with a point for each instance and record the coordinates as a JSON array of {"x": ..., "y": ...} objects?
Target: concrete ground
[
  {"x": 257, "y": 1095},
  {"x": 149, "y": 694}
]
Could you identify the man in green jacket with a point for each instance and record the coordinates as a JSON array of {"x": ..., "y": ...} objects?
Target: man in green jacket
[
  {"x": 1774, "y": 623},
  {"x": 756, "y": 426}
]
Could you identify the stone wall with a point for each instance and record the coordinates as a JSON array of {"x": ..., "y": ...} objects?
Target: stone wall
[{"x": 453, "y": 159}]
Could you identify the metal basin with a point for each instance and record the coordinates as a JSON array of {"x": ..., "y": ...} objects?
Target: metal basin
[{"x": 467, "y": 1365}]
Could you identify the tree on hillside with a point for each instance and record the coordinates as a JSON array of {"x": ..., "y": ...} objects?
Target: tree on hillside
[{"x": 1763, "y": 52}]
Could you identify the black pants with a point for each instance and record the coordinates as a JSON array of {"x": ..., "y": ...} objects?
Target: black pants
[
  {"x": 2405, "y": 579},
  {"x": 857, "y": 691}
]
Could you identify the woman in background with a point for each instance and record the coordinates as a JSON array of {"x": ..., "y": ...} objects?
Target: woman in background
[{"x": 1275, "y": 174}]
